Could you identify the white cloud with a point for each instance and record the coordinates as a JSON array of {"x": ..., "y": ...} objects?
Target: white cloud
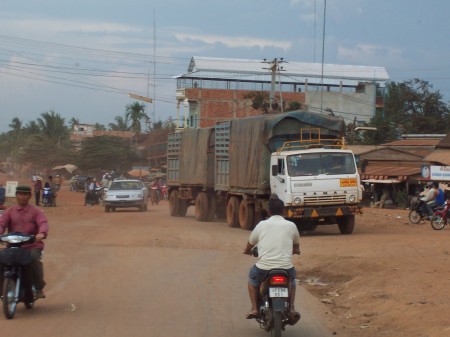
[
  {"x": 369, "y": 54},
  {"x": 234, "y": 42},
  {"x": 23, "y": 27}
]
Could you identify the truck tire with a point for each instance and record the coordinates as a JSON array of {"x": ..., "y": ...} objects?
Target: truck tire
[
  {"x": 233, "y": 212},
  {"x": 201, "y": 207},
  {"x": 211, "y": 207},
  {"x": 174, "y": 203},
  {"x": 246, "y": 215},
  {"x": 346, "y": 224}
]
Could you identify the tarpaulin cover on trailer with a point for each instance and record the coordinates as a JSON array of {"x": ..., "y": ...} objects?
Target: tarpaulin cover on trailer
[
  {"x": 253, "y": 139},
  {"x": 195, "y": 144}
]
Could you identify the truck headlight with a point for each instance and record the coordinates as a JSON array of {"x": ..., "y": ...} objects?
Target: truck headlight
[
  {"x": 297, "y": 201},
  {"x": 352, "y": 198}
]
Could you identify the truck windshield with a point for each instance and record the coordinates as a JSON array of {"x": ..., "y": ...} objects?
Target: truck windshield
[{"x": 312, "y": 164}]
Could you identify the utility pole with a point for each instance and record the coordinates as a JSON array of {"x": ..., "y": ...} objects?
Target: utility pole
[{"x": 274, "y": 68}]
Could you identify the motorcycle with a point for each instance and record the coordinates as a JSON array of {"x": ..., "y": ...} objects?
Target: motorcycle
[
  {"x": 47, "y": 197},
  {"x": 96, "y": 196},
  {"x": 441, "y": 216},
  {"x": 419, "y": 211},
  {"x": 154, "y": 195},
  {"x": 274, "y": 301},
  {"x": 15, "y": 286}
]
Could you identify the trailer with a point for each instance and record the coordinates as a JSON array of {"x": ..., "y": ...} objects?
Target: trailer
[{"x": 229, "y": 171}]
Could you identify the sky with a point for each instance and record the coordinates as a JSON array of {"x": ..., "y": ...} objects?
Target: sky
[{"x": 81, "y": 58}]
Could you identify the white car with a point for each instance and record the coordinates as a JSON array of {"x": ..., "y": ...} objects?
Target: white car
[{"x": 126, "y": 193}]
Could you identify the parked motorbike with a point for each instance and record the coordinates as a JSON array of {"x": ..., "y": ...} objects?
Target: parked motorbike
[
  {"x": 274, "y": 302},
  {"x": 441, "y": 216},
  {"x": 154, "y": 195},
  {"x": 419, "y": 211},
  {"x": 15, "y": 286}
]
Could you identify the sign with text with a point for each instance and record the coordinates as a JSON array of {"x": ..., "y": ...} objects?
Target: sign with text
[
  {"x": 11, "y": 188},
  {"x": 440, "y": 173}
]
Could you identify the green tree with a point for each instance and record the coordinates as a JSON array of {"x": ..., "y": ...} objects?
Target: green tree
[
  {"x": 53, "y": 126},
  {"x": 120, "y": 125},
  {"x": 73, "y": 121},
  {"x": 409, "y": 107},
  {"x": 135, "y": 112},
  {"x": 105, "y": 152}
]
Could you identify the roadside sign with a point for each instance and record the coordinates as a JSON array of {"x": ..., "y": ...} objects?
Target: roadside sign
[{"x": 11, "y": 188}]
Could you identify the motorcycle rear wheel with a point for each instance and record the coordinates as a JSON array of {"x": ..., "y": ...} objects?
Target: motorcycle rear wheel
[
  {"x": 9, "y": 302},
  {"x": 276, "y": 324},
  {"x": 437, "y": 222},
  {"x": 414, "y": 217}
]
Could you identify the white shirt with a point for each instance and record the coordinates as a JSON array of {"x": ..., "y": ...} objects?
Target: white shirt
[{"x": 275, "y": 238}]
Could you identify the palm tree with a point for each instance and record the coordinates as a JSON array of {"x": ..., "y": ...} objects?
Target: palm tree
[
  {"x": 120, "y": 125},
  {"x": 135, "y": 112},
  {"x": 73, "y": 121},
  {"x": 52, "y": 125}
]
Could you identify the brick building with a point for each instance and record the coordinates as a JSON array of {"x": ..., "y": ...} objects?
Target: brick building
[{"x": 215, "y": 89}]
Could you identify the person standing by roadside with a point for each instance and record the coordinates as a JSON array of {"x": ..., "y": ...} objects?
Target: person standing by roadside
[
  {"x": 57, "y": 182},
  {"x": 27, "y": 219},
  {"x": 37, "y": 190},
  {"x": 53, "y": 189}
]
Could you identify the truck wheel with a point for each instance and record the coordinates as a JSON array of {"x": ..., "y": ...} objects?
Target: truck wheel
[
  {"x": 174, "y": 204},
  {"x": 212, "y": 207},
  {"x": 246, "y": 215},
  {"x": 183, "y": 206},
  {"x": 233, "y": 212},
  {"x": 201, "y": 207},
  {"x": 346, "y": 224}
]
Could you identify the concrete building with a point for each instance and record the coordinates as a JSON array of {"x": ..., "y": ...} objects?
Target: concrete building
[{"x": 215, "y": 88}]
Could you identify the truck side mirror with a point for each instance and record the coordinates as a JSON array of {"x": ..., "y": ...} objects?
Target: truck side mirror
[{"x": 274, "y": 170}]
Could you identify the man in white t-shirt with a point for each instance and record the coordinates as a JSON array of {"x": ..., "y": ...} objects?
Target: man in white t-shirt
[{"x": 277, "y": 239}]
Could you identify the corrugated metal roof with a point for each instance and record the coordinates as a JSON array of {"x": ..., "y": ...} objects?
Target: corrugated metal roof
[
  {"x": 445, "y": 142},
  {"x": 208, "y": 67},
  {"x": 414, "y": 142},
  {"x": 441, "y": 156},
  {"x": 391, "y": 171}
]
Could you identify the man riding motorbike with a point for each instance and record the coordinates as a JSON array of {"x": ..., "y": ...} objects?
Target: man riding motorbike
[
  {"x": 28, "y": 219},
  {"x": 277, "y": 239}
]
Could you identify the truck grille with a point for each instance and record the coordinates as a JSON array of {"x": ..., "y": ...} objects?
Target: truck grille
[{"x": 335, "y": 199}]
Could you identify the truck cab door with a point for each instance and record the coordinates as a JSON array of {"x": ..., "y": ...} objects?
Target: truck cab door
[{"x": 278, "y": 184}]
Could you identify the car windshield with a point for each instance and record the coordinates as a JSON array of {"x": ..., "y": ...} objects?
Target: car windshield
[{"x": 125, "y": 185}]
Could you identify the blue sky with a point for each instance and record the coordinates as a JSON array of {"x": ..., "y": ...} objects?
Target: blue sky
[{"x": 81, "y": 58}]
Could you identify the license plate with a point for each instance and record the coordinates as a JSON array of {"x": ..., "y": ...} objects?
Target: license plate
[{"x": 278, "y": 292}]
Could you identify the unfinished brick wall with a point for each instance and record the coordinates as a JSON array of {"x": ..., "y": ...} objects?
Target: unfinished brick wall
[{"x": 219, "y": 104}]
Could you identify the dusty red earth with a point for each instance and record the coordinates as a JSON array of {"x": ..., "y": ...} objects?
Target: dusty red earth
[{"x": 388, "y": 278}]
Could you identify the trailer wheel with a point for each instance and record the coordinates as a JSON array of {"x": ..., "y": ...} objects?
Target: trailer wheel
[
  {"x": 201, "y": 207},
  {"x": 211, "y": 207},
  {"x": 346, "y": 224},
  {"x": 174, "y": 204},
  {"x": 233, "y": 212},
  {"x": 246, "y": 215}
]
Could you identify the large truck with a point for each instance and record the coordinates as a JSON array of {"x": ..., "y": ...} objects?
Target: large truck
[{"x": 231, "y": 170}]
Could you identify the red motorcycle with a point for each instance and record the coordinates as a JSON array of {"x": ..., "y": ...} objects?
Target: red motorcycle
[{"x": 441, "y": 217}]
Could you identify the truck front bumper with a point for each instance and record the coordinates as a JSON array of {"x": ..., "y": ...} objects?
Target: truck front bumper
[{"x": 322, "y": 211}]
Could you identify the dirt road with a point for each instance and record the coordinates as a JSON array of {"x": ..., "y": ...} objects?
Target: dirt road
[
  {"x": 136, "y": 274},
  {"x": 148, "y": 274}
]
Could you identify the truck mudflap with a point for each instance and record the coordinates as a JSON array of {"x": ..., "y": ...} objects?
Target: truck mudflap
[{"x": 322, "y": 212}]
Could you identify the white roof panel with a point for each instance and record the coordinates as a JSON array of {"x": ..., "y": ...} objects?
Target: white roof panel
[{"x": 209, "y": 67}]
